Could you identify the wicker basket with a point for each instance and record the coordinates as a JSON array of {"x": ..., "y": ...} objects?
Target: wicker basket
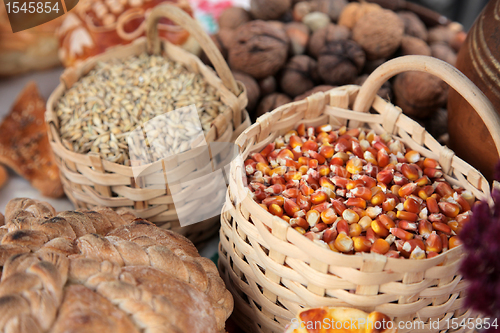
[
  {"x": 90, "y": 181},
  {"x": 272, "y": 270}
]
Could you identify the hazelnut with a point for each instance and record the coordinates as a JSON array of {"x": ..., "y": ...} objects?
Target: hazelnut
[
  {"x": 300, "y": 10},
  {"x": 267, "y": 85},
  {"x": 340, "y": 62},
  {"x": 444, "y": 52},
  {"x": 419, "y": 94},
  {"x": 321, "y": 88},
  {"x": 298, "y": 33},
  {"x": 323, "y": 36},
  {"x": 332, "y": 8},
  {"x": 252, "y": 88},
  {"x": 452, "y": 34},
  {"x": 269, "y": 9},
  {"x": 271, "y": 102},
  {"x": 299, "y": 75},
  {"x": 233, "y": 17},
  {"x": 413, "y": 25},
  {"x": 259, "y": 49},
  {"x": 354, "y": 11},
  {"x": 316, "y": 20},
  {"x": 413, "y": 45},
  {"x": 379, "y": 33},
  {"x": 385, "y": 91}
]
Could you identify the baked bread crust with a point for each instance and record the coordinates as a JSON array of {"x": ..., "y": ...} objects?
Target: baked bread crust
[
  {"x": 24, "y": 145},
  {"x": 93, "y": 271}
]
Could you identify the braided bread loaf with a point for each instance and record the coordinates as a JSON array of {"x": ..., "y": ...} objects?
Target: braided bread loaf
[{"x": 103, "y": 271}]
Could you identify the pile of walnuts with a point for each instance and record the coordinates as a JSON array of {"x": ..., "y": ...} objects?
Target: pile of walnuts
[{"x": 284, "y": 50}]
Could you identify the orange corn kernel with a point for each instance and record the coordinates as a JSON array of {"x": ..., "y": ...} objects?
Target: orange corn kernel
[
  {"x": 389, "y": 204},
  {"x": 411, "y": 205},
  {"x": 303, "y": 202},
  {"x": 326, "y": 151},
  {"x": 454, "y": 241},
  {"x": 300, "y": 230},
  {"x": 449, "y": 209},
  {"x": 365, "y": 222},
  {"x": 380, "y": 246},
  {"x": 430, "y": 163},
  {"x": 329, "y": 235},
  {"x": 392, "y": 254},
  {"x": 340, "y": 171},
  {"x": 338, "y": 206},
  {"x": 318, "y": 197},
  {"x": 418, "y": 254},
  {"x": 361, "y": 244},
  {"x": 401, "y": 234},
  {"x": 265, "y": 169},
  {"x": 291, "y": 192},
  {"x": 355, "y": 230},
  {"x": 410, "y": 171},
  {"x": 444, "y": 241},
  {"x": 412, "y": 156},
  {"x": 379, "y": 228},
  {"x": 378, "y": 198},
  {"x": 354, "y": 183},
  {"x": 326, "y": 183},
  {"x": 275, "y": 189},
  {"x": 443, "y": 227},
  {"x": 264, "y": 206},
  {"x": 433, "y": 243},
  {"x": 276, "y": 210},
  {"x": 344, "y": 243},
  {"x": 370, "y": 182},
  {"x": 354, "y": 166},
  {"x": 362, "y": 192},
  {"x": 433, "y": 173},
  {"x": 350, "y": 216},
  {"x": 343, "y": 227},
  {"x": 354, "y": 132},
  {"x": 292, "y": 175},
  {"x": 299, "y": 222},
  {"x": 386, "y": 221},
  {"x": 312, "y": 217},
  {"x": 383, "y": 158},
  {"x": 463, "y": 203},
  {"x": 370, "y": 158},
  {"x": 422, "y": 181},
  {"x": 286, "y": 218},
  {"x": 432, "y": 254},
  {"x": 392, "y": 215},
  {"x": 250, "y": 166},
  {"x": 291, "y": 207},
  {"x": 310, "y": 145},
  {"x": 357, "y": 150},
  {"x": 432, "y": 205},
  {"x": 295, "y": 142},
  {"x": 380, "y": 145},
  {"x": 257, "y": 157},
  {"x": 402, "y": 215},
  {"x": 407, "y": 189},
  {"x": 408, "y": 226},
  {"x": 356, "y": 202},
  {"x": 425, "y": 192},
  {"x": 339, "y": 158},
  {"x": 281, "y": 170},
  {"x": 385, "y": 176},
  {"x": 444, "y": 189},
  {"x": 328, "y": 216},
  {"x": 278, "y": 200},
  {"x": 324, "y": 170},
  {"x": 301, "y": 129},
  {"x": 371, "y": 235},
  {"x": 305, "y": 189},
  {"x": 269, "y": 148}
]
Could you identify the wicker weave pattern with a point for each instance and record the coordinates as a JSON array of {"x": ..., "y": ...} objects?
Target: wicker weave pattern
[
  {"x": 273, "y": 270},
  {"x": 90, "y": 181}
]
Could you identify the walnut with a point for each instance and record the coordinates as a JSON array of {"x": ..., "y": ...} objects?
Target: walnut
[
  {"x": 222, "y": 40},
  {"x": 413, "y": 45},
  {"x": 354, "y": 11},
  {"x": 332, "y": 8},
  {"x": 385, "y": 91},
  {"x": 233, "y": 17},
  {"x": 452, "y": 34},
  {"x": 300, "y": 10},
  {"x": 340, "y": 62},
  {"x": 323, "y": 36},
  {"x": 269, "y": 9},
  {"x": 379, "y": 33},
  {"x": 314, "y": 90},
  {"x": 316, "y": 20},
  {"x": 259, "y": 49},
  {"x": 299, "y": 75},
  {"x": 444, "y": 52},
  {"x": 271, "y": 102},
  {"x": 252, "y": 88},
  {"x": 267, "y": 85},
  {"x": 413, "y": 25},
  {"x": 298, "y": 33},
  {"x": 419, "y": 94}
]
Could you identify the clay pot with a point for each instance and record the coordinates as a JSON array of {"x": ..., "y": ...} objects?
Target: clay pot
[{"x": 478, "y": 59}]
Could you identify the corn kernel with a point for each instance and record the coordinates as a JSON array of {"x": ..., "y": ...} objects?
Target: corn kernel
[
  {"x": 350, "y": 216},
  {"x": 344, "y": 243},
  {"x": 355, "y": 230},
  {"x": 380, "y": 246},
  {"x": 361, "y": 244},
  {"x": 354, "y": 166},
  {"x": 379, "y": 228}
]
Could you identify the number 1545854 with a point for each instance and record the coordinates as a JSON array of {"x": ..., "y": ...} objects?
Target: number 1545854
[{"x": 32, "y": 7}]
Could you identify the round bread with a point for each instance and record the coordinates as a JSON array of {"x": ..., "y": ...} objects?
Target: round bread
[{"x": 103, "y": 271}]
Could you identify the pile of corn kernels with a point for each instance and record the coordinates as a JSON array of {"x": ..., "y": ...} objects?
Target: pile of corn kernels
[{"x": 354, "y": 191}]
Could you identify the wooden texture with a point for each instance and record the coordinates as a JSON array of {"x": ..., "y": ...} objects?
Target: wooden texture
[
  {"x": 252, "y": 256},
  {"x": 90, "y": 181}
]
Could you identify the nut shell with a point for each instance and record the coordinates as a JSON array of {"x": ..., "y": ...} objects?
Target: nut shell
[
  {"x": 419, "y": 94},
  {"x": 413, "y": 45},
  {"x": 3, "y": 180},
  {"x": 354, "y": 11},
  {"x": 299, "y": 75},
  {"x": 259, "y": 49},
  {"x": 269, "y": 9},
  {"x": 413, "y": 25},
  {"x": 379, "y": 33},
  {"x": 332, "y": 8},
  {"x": 233, "y": 17},
  {"x": 252, "y": 88},
  {"x": 271, "y": 102},
  {"x": 340, "y": 62},
  {"x": 444, "y": 52},
  {"x": 267, "y": 85},
  {"x": 222, "y": 40},
  {"x": 323, "y": 36}
]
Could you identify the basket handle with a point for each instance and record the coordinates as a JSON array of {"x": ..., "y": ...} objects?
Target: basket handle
[
  {"x": 458, "y": 81},
  {"x": 178, "y": 16}
]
